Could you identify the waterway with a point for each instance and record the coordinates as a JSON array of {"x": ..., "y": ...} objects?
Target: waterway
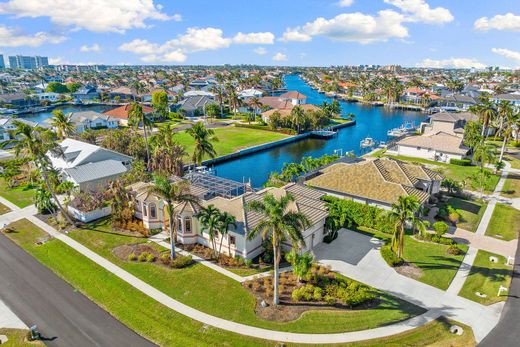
[
  {"x": 40, "y": 117},
  {"x": 370, "y": 122}
]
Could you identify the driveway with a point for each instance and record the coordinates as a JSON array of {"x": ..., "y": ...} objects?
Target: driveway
[{"x": 64, "y": 316}]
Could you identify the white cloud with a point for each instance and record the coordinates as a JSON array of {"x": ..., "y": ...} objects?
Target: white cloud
[
  {"x": 94, "y": 48},
  {"x": 420, "y": 11},
  {"x": 295, "y": 35},
  {"x": 63, "y": 61},
  {"x": 260, "y": 51},
  {"x": 507, "y": 53},
  {"x": 280, "y": 57},
  {"x": 345, "y": 3},
  {"x": 9, "y": 37},
  {"x": 265, "y": 38},
  {"x": 94, "y": 15},
  {"x": 508, "y": 22},
  {"x": 456, "y": 63}
]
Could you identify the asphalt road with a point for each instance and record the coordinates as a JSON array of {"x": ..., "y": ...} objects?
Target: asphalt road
[
  {"x": 63, "y": 316},
  {"x": 507, "y": 332}
]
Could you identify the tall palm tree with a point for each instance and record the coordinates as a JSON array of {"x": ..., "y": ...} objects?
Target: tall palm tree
[
  {"x": 402, "y": 212},
  {"x": 135, "y": 117},
  {"x": 257, "y": 105},
  {"x": 225, "y": 221},
  {"x": 62, "y": 123},
  {"x": 484, "y": 154},
  {"x": 203, "y": 138},
  {"x": 172, "y": 192},
  {"x": 297, "y": 115},
  {"x": 486, "y": 112},
  {"x": 278, "y": 223},
  {"x": 209, "y": 218}
]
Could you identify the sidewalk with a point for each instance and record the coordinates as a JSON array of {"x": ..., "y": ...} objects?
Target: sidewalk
[
  {"x": 487, "y": 243},
  {"x": 8, "y": 319}
]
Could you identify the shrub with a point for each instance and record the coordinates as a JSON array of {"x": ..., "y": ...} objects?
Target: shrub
[
  {"x": 165, "y": 258},
  {"x": 307, "y": 292},
  {"x": 390, "y": 257},
  {"x": 181, "y": 261},
  {"x": 132, "y": 257},
  {"x": 454, "y": 217},
  {"x": 331, "y": 236},
  {"x": 460, "y": 162},
  {"x": 150, "y": 258},
  {"x": 248, "y": 262},
  {"x": 440, "y": 228},
  {"x": 143, "y": 256},
  {"x": 454, "y": 250}
]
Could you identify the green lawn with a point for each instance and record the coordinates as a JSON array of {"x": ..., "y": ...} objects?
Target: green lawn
[
  {"x": 232, "y": 139},
  {"x": 244, "y": 272},
  {"x": 470, "y": 212},
  {"x": 166, "y": 327},
  {"x": 437, "y": 265},
  {"x": 4, "y": 209},
  {"x": 21, "y": 197},
  {"x": 505, "y": 222},
  {"x": 238, "y": 304},
  {"x": 18, "y": 338},
  {"x": 511, "y": 186},
  {"x": 456, "y": 172},
  {"x": 487, "y": 277}
]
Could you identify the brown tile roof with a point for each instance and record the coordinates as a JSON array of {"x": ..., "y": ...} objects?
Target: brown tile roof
[
  {"x": 293, "y": 95},
  {"x": 121, "y": 112},
  {"x": 439, "y": 141},
  {"x": 284, "y": 112}
]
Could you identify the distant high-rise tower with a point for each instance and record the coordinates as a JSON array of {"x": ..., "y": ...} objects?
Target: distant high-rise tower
[
  {"x": 27, "y": 63},
  {"x": 2, "y": 64}
]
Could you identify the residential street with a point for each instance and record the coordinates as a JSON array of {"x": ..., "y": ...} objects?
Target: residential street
[{"x": 63, "y": 316}]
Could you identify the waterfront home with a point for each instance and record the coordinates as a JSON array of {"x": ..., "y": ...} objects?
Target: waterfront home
[
  {"x": 152, "y": 211},
  {"x": 286, "y": 112},
  {"x": 286, "y": 100},
  {"x": 376, "y": 181},
  {"x": 85, "y": 93},
  {"x": 121, "y": 113},
  {"x": 193, "y": 106},
  {"x": 457, "y": 102},
  {"x": 7, "y": 126},
  {"x": 513, "y": 98},
  {"x": 89, "y": 167},
  {"x": 18, "y": 100},
  {"x": 50, "y": 96},
  {"x": 148, "y": 96},
  {"x": 124, "y": 93},
  {"x": 413, "y": 95},
  {"x": 85, "y": 120}
]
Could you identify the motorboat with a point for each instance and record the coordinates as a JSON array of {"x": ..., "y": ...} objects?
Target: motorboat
[{"x": 367, "y": 142}]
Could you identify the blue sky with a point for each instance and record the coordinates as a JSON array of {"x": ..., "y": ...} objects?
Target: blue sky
[{"x": 436, "y": 33}]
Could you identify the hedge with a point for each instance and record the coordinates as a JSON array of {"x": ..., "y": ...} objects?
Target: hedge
[
  {"x": 460, "y": 162},
  {"x": 390, "y": 257}
]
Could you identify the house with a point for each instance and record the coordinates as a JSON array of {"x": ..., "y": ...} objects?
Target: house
[
  {"x": 193, "y": 106},
  {"x": 284, "y": 104},
  {"x": 121, "y": 113},
  {"x": 88, "y": 166},
  {"x": 86, "y": 93},
  {"x": 148, "y": 96},
  {"x": 90, "y": 120},
  {"x": 457, "y": 102},
  {"x": 7, "y": 126},
  {"x": 513, "y": 98},
  {"x": 18, "y": 100},
  {"x": 413, "y": 95},
  {"x": 376, "y": 181},
  {"x": 286, "y": 112},
  {"x": 124, "y": 93},
  {"x": 50, "y": 96},
  {"x": 152, "y": 211},
  {"x": 191, "y": 93},
  {"x": 442, "y": 138},
  {"x": 248, "y": 94}
]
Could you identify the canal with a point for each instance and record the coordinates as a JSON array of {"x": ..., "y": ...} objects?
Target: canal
[
  {"x": 370, "y": 121},
  {"x": 40, "y": 117}
]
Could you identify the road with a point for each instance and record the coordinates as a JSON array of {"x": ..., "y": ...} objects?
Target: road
[
  {"x": 64, "y": 316},
  {"x": 506, "y": 333}
]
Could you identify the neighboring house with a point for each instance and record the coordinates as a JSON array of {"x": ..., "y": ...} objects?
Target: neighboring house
[
  {"x": 18, "y": 100},
  {"x": 7, "y": 126},
  {"x": 148, "y": 96},
  {"x": 457, "y": 102},
  {"x": 50, "y": 96},
  {"x": 199, "y": 84},
  {"x": 151, "y": 209},
  {"x": 121, "y": 113},
  {"x": 376, "y": 181},
  {"x": 88, "y": 166},
  {"x": 413, "y": 95},
  {"x": 513, "y": 98},
  {"x": 86, "y": 93},
  {"x": 90, "y": 120},
  {"x": 191, "y": 93},
  {"x": 284, "y": 104},
  {"x": 193, "y": 106},
  {"x": 286, "y": 112},
  {"x": 124, "y": 93},
  {"x": 246, "y": 96}
]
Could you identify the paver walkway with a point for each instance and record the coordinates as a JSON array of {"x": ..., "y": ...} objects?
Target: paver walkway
[{"x": 487, "y": 243}]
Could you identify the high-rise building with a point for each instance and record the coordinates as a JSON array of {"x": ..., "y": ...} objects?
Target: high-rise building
[
  {"x": 41, "y": 61},
  {"x": 27, "y": 62},
  {"x": 2, "y": 64}
]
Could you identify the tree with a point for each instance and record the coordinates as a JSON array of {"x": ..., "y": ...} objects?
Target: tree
[
  {"x": 297, "y": 116},
  {"x": 472, "y": 134},
  {"x": 160, "y": 103},
  {"x": 402, "y": 212},
  {"x": 278, "y": 222},
  {"x": 225, "y": 221},
  {"x": 167, "y": 153},
  {"x": 203, "y": 138},
  {"x": 62, "y": 123},
  {"x": 136, "y": 116},
  {"x": 56, "y": 87},
  {"x": 124, "y": 141},
  {"x": 212, "y": 111},
  {"x": 484, "y": 154},
  {"x": 209, "y": 219},
  {"x": 486, "y": 112},
  {"x": 301, "y": 264},
  {"x": 43, "y": 201},
  {"x": 178, "y": 192}
]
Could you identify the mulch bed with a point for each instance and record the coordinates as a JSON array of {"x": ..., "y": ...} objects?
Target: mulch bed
[
  {"x": 409, "y": 270},
  {"x": 123, "y": 251}
]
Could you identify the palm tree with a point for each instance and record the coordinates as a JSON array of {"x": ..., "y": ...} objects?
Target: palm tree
[
  {"x": 257, "y": 105},
  {"x": 167, "y": 154},
  {"x": 62, "y": 123},
  {"x": 136, "y": 116},
  {"x": 203, "y": 138},
  {"x": 278, "y": 223},
  {"x": 486, "y": 112},
  {"x": 484, "y": 154},
  {"x": 209, "y": 219},
  {"x": 297, "y": 115},
  {"x": 225, "y": 221},
  {"x": 402, "y": 212},
  {"x": 170, "y": 192}
]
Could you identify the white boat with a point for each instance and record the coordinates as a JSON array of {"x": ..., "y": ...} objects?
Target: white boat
[{"x": 367, "y": 142}]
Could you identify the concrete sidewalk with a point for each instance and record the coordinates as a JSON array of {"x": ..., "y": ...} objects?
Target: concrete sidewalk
[{"x": 8, "y": 319}]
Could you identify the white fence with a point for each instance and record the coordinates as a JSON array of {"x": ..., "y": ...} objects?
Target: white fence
[{"x": 86, "y": 217}]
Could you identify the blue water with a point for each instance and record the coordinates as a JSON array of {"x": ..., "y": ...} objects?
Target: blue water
[
  {"x": 42, "y": 116},
  {"x": 370, "y": 121}
]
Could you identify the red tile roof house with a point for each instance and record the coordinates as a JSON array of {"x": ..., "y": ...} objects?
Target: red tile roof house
[
  {"x": 121, "y": 113},
  {"x": 284, "y": 103}
]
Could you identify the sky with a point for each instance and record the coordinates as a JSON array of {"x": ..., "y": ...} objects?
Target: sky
[{"x": 423, "y": 33}]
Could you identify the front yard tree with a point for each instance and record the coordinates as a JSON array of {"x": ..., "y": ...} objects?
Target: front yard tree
[
  {"x": 136, "y": 116},
  {"x": 402, "y": 212},
  {"x": 278, "y": 223},
  {"x": 204, "y": 139},
  {"x": 62, "y": 123},
  {"x": 209, "y": 219},
  {"x": 160, "y": 103},
  {"x": 484, "y": 154},
  {"x": 226, "y": 220}
]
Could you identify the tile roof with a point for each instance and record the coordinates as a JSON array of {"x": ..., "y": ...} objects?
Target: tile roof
[
  {"x": 293, "y": 95},
  {"x": 439, "y": 141},
  {"x": 121, "y": 112}
]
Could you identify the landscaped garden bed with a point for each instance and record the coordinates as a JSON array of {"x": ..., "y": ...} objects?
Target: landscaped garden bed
[{"x": 148, "y": 253}]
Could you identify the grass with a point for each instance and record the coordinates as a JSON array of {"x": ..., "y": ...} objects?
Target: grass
[
  {"x": 238, "y": 304},
  {"x": 244, "y": 272},
  {"x": 4, "y": 209},
  {"x": 487, "y": 277},
  {"x": 232, "y": 139},
  {"x": 505, "y": 221},
  {"x": 455, "y": 172},
  {"x": 438, "y": 267},
  {"x": 511, "y": 186},
  {"x": 470, "y": 212},
  {"x": 165, "y": 327},
  {"x": 18, "y": 338},
  {"x": 20, "y": 196}
]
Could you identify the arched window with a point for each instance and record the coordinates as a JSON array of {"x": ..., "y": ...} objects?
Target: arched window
[{"x": 153, "y": 211}]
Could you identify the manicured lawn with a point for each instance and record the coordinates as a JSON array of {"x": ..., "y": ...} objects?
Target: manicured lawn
[
  {"x": 456, "y": 172},
  {"x": 18, "y": 338},
  {"x": 4, "y": 209},
  {"x": 21, "y": 197},
  {"x": 487, "y": 277},
  {"x": 166, "y": 327},
  {"x": 470, "y": 212},
  {"x": 249, "y": 272},
  {"x": 438, "y": 267},
  {"x": 232, "y": 139},
  {"x": 238, "y": 304},
  {"x": 505, "y": 222},
  {"x": 511, "y": 186}
]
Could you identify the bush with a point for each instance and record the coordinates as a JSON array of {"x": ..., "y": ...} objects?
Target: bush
[
  {"x": 460, "y": 162},
  {"x": 143, "y": 257},
  {"x": 390, "y": 257},
  {"x": 165, "y": 258},
  {"x": 331, "y": 236},
  {"x": 454, "y": 250},
  {"x": 248, "y": 262},
  {"x": 132, "y": 257},
  {"x": 440, "y": 228},
  {"x": 181, "y": 261},
  {"x": 150, "y": 258}
]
